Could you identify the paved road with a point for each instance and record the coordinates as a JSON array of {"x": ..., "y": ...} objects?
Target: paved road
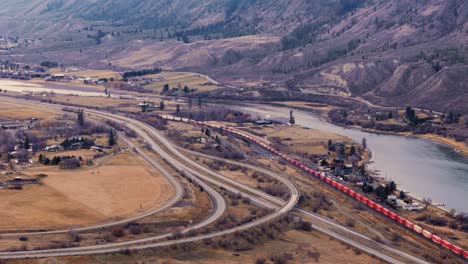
[
  {"x": 135, "y": 125},
  {"x": 179, "y": 193},
  {"x": 219, "y": 202},
  {"x": 114, "y": 248},
  {"x": 326, "y": 225}
]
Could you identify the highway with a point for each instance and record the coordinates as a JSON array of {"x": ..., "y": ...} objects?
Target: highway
[
  {"x": 137, "y": 127},
  {"x": 187, "y": 166},
  {"x": 325, "y": 225}
]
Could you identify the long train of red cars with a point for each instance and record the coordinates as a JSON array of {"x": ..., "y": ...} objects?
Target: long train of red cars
[{"x": 399, "y": 219}]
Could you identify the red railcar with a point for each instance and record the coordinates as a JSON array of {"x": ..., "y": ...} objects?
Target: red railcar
[
  {"x": 379, "y": 208},
  {"x": 436, "y": 239},
  {"x": 409, "y": 224},
  {"x": 400, "y": 220},
  {"x": 351, "y": 193},
  {"x": 446, "y": 244},
  {"x": 334, "y": 183},
  {"x": 465, "y": 254},
  {"x": 457, "y": 250},
  {"x": 392, "y": 215},
  {"x": 371, "y": 203},
  {"x": 386, "y": 212},
  {"x": 417, "y": 229},
  {"x": 426, "y": 234},
  {"x": 346, "y": 190},
  {"x": 359, "y": 197},
  {"x": 339, "y": 186}
]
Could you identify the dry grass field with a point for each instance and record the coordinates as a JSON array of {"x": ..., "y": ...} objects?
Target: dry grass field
[
  {"x": 298, "y": 139},
  {"x": 88, "y": 73},
  {"x": 119, "y": 187},
  {"x": 305, "y": 247},
  {"x": 14, "y": 111},
  {"x": 181, "y": 79}
]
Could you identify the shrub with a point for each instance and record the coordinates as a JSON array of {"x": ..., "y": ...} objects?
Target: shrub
[
  {"x": 350, "y": 222},
  {"x": 421, "y": 218},
  {"x": 304, "y": 226},
  {"x": 437, "y": 221},
  {"x": 134, "y": 229},
  {"x": 396, "y": 237},
  {"x": 282, "y": 258},
  {"x": 118, "y": 231},
  {"x": 453, "y": 225},
  {"x": 23, "y": 238},
  {"x": 464, "y": 227}
]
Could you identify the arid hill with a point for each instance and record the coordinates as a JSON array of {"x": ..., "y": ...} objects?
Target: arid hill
[{"x": 397, "y": 52}]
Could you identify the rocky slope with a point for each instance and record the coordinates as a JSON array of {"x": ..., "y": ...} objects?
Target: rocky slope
[{"x": 397, "y": 52}]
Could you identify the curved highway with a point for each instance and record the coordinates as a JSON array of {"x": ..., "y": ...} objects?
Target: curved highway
[{"x": 149, "y": 133}]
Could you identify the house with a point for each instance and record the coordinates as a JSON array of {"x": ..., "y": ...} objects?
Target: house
[
  {"x": 53, "y": 148},
  {"x": 263, "y": 122},
  {"x": 97, "y": 149},
  {"x": 55, "y": 77},
  {"x": 13, "y": 125},
  {"x": 76, "y": 146},
  {"x": 408, "y": 206}
]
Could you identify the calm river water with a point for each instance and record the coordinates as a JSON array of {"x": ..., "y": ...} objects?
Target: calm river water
[{"x": 420, "y": 166}]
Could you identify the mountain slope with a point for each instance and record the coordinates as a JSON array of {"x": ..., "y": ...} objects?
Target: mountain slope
[{"x": 394, "y": 52}]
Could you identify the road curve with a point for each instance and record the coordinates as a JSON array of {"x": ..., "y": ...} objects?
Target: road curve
[
  {"x": 321, "y": 223},
  {"x": 218, "y": 200},
  {"x": 109, "y": 248}
]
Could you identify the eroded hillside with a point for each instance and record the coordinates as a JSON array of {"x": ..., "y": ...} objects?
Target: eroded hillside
[{"x": 391, "y": 52}]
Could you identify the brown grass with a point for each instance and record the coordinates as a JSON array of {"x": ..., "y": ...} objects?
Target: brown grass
[
  {"x": 180, "y": 79},
  {"x": 298, "y": 139},
  {"x": 14, "y": 111},
  {"x": 119, "y": 187}
]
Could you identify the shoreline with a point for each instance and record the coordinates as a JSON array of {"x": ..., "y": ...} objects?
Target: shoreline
[{"x": 459, "y": 147}]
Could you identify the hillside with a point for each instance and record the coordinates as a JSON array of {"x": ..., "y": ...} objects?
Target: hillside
[{"x": 398, "y": 52}]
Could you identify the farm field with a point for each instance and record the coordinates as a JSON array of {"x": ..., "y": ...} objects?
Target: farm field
[
  {"x": 181, "y": 79},
  {"x": 15, "y": 111},
  {"x": 119, "y": 187}
]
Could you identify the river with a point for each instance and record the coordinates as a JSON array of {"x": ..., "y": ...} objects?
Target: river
[{"x": 422, "y": 167}]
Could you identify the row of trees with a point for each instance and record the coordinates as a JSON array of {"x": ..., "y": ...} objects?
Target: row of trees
[{"x": 64, "y": 162}]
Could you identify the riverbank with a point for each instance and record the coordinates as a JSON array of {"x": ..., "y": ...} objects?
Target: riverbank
[
  {"x": 460, "y": 147},
  {"x": 322, "y": 110}
]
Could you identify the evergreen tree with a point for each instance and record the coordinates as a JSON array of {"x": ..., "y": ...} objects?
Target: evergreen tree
[
  {"x": 352, "y": 150},
  {"x": 161, "y": 105},
  {"x": 165, "y": 88},
  {"x": 81, "y": 118},
  {"x": 177, "y": 110},
  {"x": 190, "y": 102},
  {"x": 112, "y": 137},
  {"x": 292, "y": 120},
  {"x": 27, "y": 143},
  {"x": 364, "y": 143},
  {"x": 330, "y": 145}
]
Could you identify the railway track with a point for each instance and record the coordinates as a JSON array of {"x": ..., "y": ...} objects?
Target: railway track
[
  {"x": 193, "y": 169},
  {"x": 112, "y": 248},
  {"x": 463, "y": 253}
]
